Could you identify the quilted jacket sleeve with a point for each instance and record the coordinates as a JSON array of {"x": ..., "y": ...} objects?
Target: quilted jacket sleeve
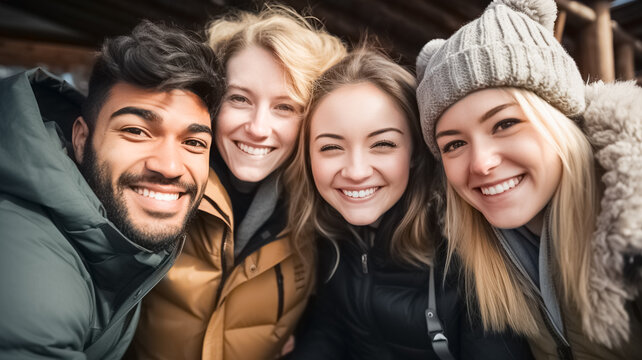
[{"x": 43, "y": 297}]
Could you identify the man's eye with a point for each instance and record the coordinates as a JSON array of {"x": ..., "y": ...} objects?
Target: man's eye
[
  {"x": 133, "y": 130},
  {"x": 453, "y": 145},
  {"x": 196, "y": 143}
]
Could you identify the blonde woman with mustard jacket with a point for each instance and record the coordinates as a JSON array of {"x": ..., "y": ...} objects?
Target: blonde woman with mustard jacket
[{"x": 239, "y": 287}]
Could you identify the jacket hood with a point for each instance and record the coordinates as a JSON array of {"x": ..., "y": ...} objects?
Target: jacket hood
[
  {"x": 37, "y": 110},
  {"x": 34, "y": 161},
  {"x": 613, "y": 123}
]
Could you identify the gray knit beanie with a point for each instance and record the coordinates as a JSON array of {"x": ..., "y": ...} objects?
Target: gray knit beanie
[{"x": 510, "y": 45}]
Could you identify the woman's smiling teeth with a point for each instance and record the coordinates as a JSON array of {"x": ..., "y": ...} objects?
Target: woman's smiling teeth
[
  {"x": 252, "y": 150},
  {"x": 359, "y": 194},
  {"x": 500, "y": 188},
  {"x": 157, "y": 195}
]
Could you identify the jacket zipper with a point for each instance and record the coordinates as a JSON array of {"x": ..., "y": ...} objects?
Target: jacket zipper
[
  {"x": 279, "y": 286},
  {"x": 563, "y": 347},
  {"x": 364, "y": 256},
  {"x": 223, "y": 269}
]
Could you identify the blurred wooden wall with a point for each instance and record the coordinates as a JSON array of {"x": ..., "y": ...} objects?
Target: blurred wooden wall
[{"x": 603, "y": 48}]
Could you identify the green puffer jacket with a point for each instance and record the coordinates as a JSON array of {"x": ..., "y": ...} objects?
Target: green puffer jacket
[{"x": 70, "y": 282}]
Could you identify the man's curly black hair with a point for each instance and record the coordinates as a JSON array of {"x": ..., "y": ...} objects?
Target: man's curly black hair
[{"x": 155, "y": 57}]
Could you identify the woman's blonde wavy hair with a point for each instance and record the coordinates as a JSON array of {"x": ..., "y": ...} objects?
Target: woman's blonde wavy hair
[
  {"x": 304, "y": 50},
  {"x": 502, "y": 293},
  {"x": 411, "y": 241}
]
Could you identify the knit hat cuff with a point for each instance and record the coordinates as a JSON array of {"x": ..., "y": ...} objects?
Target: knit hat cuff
[{"x": 548, "y": 71}]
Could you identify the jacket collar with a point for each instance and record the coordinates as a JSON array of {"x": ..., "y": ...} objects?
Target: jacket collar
[{"x": 216, "y": 201}]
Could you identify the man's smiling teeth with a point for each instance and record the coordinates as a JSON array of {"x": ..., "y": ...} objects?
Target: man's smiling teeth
[
  {"x": 157, "y": 195},
  {"x": 358, "y": 194},
  {"x": 500, "y": 188},
  {"x": 252, "y": 150}
]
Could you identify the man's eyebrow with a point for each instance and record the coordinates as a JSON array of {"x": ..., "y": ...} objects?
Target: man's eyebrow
[
  {"x": 144, "y": 114},
  {"x": 151, "y": 116},
  {"x": 381, "y": 131},
  {"x": 198, "y": 128}
]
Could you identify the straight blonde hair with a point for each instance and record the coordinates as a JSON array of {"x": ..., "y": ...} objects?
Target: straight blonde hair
[
  {"x": 413, "y": 238},
  {"x": 504, "y": 298}
]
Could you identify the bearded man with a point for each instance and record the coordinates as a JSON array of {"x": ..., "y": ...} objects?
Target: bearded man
[{"x": 96, "y": 193}]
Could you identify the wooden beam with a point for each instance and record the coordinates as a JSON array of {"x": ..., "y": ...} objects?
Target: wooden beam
[
  {"x": 577, "y": 9},
  {"x": 587, "y": 15},
  {"x": 559, "y": 25},
  {"x": 587, "y": 61},
  {"x": 62, "y": 58},
  {"x": 429, "y": 14},
  {"x": 604, "y": 36},
  {"x": 625, "y": 62},
  {"x": 400, "y": 36}
]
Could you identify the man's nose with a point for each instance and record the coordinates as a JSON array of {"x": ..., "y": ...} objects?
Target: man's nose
[{"x": 166, "y": 160}]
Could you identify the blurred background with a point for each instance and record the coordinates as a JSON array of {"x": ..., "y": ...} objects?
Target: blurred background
[{"x": 604, "y": 37}]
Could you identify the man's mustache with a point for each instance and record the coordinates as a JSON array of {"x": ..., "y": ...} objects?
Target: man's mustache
[{"x": 129, "y": 179}]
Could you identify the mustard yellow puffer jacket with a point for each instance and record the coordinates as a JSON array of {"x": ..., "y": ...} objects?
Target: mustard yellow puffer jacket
[{"x": 209, "y": 308}]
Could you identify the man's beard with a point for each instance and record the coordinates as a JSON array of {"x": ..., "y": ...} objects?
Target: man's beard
[{"x": 99, "y": 179}]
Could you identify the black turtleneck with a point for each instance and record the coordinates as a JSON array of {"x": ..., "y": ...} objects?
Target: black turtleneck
[{"x": 241, "y": 192}]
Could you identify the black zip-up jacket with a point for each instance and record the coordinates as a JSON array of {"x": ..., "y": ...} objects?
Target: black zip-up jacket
[{"x": 372, "y": 308}]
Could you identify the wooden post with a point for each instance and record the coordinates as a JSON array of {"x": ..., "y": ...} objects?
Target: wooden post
[
  {"x": 559, "y": 25},
  {"x": 588, "y": 49},
  {"x": 604, "y": 43},
  {"x": 625, "y": 62}
]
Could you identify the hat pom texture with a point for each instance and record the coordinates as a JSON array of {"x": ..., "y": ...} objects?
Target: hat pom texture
[
  {"x": 425, "y": 54},
  {"x": 541, "y": 11}
]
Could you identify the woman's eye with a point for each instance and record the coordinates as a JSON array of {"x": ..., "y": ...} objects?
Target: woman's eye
[
  {"x": 505, "y": 124},
  {"x": 237, "y": 98},
  {"x": 384, "y": 144},
  {"x": 330, "y": 147},
  {"x": 285, "y": 107},
  {"x": 451, "y": 146}
]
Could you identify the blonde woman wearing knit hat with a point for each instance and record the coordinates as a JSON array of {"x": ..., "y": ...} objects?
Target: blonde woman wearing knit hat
[
  {"x": 544, "y": 182},
  {"x": 239, "y": 287}
]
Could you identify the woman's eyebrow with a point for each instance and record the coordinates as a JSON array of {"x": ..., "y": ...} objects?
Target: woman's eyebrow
[
  {"x": 495, "y": 110},
  {"x": 377, "y": 132}
]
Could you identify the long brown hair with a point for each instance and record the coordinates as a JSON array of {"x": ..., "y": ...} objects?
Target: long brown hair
[{"x": 412, "y": 239}]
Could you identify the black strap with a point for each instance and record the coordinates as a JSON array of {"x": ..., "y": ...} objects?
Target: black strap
[{"x": 435, "y": 330}]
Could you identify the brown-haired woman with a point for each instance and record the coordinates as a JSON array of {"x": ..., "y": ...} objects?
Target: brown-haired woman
[{"x": 362, "y": 185}]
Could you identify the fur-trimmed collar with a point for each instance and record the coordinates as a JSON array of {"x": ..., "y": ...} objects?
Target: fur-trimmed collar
[{"x": 613, "y": 123}]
